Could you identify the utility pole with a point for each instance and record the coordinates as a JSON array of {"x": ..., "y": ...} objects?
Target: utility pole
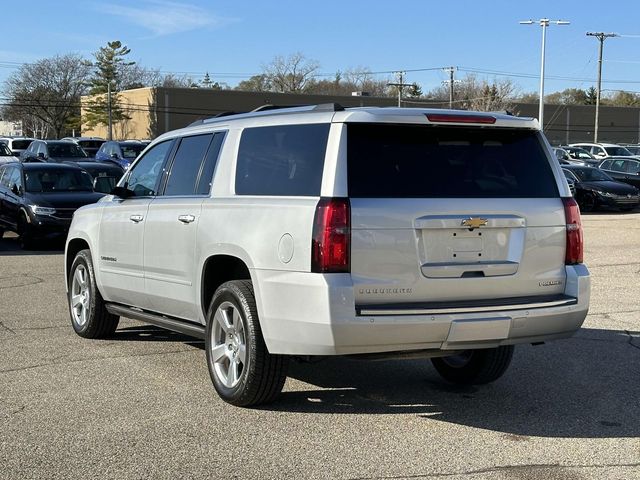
[
  {"x": 110, "y": 132},
  {"x": 601, "y": 36},
  {"x": 450, "y": 82},
  {"x": 400, "y": 85}
]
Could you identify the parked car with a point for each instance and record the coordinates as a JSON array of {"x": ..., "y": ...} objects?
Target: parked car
[
  {"x": 17, "y": 144},
  {"x": 603, "y": 150},
  {"x": 328, "y": 231},
  {"x": 53, "y": 151},
  {"x": 37, "y": 200},
  {"x": 121, "y": 152},
  {"x": 105, "y": 175},
  {"x": 6, "y": 155},
  {"x": 90, "y": 145},
  {"x": 623, "y": 169},
  {"x": 596, "y": 189},
  {"x": 581, "y": 156}
]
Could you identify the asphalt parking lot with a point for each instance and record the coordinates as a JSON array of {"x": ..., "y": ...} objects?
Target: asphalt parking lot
[{"x": 141, "y": 405}]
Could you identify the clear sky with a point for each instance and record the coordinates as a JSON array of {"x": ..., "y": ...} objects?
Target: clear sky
[{"x": 233, "y": 39}]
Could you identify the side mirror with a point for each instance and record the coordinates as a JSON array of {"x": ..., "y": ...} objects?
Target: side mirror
[
  {"x": 16, "y": 190},
  {"x": 115, "y": 156},
  {"x": 121, "y": 192},
  {"x": 41, "y": 155},
  {"x": 104, "y": 184}
]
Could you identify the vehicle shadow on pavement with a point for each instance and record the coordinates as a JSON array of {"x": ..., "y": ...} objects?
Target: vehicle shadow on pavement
[
  {"x": 584, "y": 387},
  {"x": 150, "y": 333},
  {"x": 9, "y": 247}
]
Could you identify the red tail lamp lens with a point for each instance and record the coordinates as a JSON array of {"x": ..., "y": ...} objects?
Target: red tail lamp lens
[{"x": 330, "y": 246}]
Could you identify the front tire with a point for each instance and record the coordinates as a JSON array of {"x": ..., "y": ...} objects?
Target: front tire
[
  {"x": 242, "y": 370},
  {"x": 475, "y": 367},
  {"x": 25, "y": 233},
  {"x": 89, "y": 315}
]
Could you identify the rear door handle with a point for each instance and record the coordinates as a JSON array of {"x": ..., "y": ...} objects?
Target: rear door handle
[
  {"x": 136, "y": 218},
  {"x": 186, "y": 218}
]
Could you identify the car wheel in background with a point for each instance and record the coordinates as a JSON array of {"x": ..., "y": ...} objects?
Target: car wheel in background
[
  {"x": 25, "y": 233},
  {"x": 588, "y": 202},
  {"x": 475, "y": 367},
  {"x": 89, "y": 316},
  {"x": 242, "y": 370}
]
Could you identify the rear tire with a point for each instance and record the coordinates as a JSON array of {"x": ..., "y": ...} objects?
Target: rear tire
[
  {"x": 242, "y": 370},
  {"x": 89, "y": 315},
  {"x": 475, "y": 367}
]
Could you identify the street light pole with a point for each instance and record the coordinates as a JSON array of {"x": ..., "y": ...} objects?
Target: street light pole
[
  {"x": 544, "y": 23},
  {"x": 601, "y": 36}
]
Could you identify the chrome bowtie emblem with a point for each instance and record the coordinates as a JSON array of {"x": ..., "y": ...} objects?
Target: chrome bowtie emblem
[{"x": 474, "y": 222}]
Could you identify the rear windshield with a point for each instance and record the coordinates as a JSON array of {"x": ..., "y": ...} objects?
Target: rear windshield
[
  {"x": 90, "y": 143},
  {"x": 406, "y": 161},
  {"x": 51, "y": 180},
  {"x": 68, "y": 150},
  {"x": 131, "y": 151},
  {"x": 590, "y": 175}
]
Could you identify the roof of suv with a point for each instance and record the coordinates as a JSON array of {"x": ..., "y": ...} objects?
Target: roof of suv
[{"x": 337, "y": 113}]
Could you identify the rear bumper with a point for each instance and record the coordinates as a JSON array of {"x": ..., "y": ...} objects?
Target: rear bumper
[{"x": 312, "y": 314}]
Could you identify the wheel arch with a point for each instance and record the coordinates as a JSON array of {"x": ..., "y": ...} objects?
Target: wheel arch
[
  {"x": 73, "y": 247},
  {"x": 218, "y": 269}
]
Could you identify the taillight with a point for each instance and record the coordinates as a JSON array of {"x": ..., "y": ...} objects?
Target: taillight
[
  {"x": 331, "y": 240},
  {"x": 575, "y": 242}
]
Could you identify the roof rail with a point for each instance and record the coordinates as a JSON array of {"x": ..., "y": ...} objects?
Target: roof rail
[
  {"x": 270, "y": 106},
  {"x": 217, "y": 115}
]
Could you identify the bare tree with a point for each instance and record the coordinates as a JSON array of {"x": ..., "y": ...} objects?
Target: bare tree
[
  {"x": 47, "y": 92},
  {"x": 257, "y": 83},
  {"x": 475, "y": 94},
  {"x": 292, "y": 74}
]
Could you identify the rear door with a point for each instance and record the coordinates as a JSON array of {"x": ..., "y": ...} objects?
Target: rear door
[
  {"x": 452, "y": 214},
  {"x": 172, "y": 224}
]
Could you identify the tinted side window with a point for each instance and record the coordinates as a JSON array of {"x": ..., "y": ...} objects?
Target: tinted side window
[
  {"x": 633, "y": 167},
  {"x": 144, "y": 177},
  {"x": 606, "y": 165},
  {"x": 618, "y": 166},
  {"x": 406, "y": 161},
  {"x": 282, "y": 160},
  {"x": 186, "y": 165},
  {"x": 209, "y": 165}
]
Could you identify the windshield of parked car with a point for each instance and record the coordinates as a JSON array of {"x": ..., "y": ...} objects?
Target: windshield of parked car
[
  {"x": 53, "y": 180},
  {"x": 4, "y": 150},
  {"x": 590, "y": 175},
  {"x": 131, "y": 151},
  {"x": 21, "y": 144},
  {"x": 576, "y": 152},
  {"x": 617, "y": 152},
  {"x": 69, "y": 150},
  {"x": 634, "y": 150}
]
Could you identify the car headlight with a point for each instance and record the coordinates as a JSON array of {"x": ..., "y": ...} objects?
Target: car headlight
[
  {"x": 37, "y": 210},
  {"x": 604, "y": 194}
]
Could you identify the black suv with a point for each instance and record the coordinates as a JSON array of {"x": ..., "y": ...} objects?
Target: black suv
[{"x": 53, "y": 151}]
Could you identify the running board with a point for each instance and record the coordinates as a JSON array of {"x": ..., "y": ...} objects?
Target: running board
[{"x": 170, "y": 323}]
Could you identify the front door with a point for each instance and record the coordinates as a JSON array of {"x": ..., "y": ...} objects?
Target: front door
[{"x": 121, "y": 240}]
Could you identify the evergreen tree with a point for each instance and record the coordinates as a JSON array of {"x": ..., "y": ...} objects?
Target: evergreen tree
[{"x": 110, "y": 62}]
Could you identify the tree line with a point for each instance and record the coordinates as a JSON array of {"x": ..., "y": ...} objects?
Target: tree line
[{"x": 45, "y": 95}]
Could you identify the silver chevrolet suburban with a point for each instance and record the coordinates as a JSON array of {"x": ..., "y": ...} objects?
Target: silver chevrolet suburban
[{"x": 317, "y": 231}]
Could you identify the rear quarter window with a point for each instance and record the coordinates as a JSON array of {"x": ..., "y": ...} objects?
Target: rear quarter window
[
  {"x": 285, "y": 160},
  {"x": 406, "y": 161}
]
